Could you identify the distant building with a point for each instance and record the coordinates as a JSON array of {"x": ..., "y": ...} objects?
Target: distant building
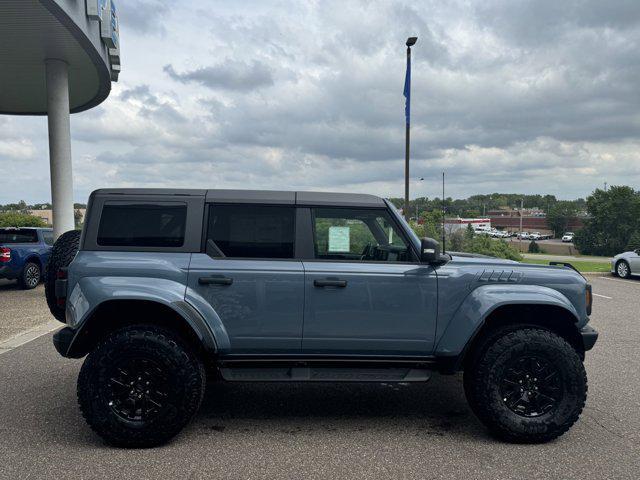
[
  {"x": 46, "y": 215},
  {"x": 454, "y": 224}
]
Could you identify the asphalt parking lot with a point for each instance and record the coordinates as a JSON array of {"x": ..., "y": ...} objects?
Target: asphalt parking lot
[{"x": 322, "y": 431}]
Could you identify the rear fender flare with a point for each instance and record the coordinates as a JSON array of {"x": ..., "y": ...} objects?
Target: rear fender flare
[{"x": 90, "y": 293}]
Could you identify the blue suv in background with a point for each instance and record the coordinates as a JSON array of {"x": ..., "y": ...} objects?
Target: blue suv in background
[
  {"x": 24, "y": 253},
  {"x": 163, "y": 285}
]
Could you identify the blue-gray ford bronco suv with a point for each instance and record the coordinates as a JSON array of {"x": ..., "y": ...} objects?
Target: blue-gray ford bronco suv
[{"x": 166, "y": 288}]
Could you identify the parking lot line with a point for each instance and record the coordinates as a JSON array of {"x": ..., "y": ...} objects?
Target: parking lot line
[
  {"x": 619, "y": 280},
  {"x": 27, "y": 336},
  {"x": 602, "y": 296}
]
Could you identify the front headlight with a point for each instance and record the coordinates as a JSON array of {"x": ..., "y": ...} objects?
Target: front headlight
[{"x": 588, "y": 293}]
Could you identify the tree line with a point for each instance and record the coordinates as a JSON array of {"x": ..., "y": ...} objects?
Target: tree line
[{"x": 478, "y": 205}]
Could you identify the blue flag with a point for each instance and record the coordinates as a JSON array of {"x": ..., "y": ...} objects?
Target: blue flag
[{"x": 407, "y": 92}]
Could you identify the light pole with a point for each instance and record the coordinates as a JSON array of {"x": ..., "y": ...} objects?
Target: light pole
[{"x": 407, "y": 113}]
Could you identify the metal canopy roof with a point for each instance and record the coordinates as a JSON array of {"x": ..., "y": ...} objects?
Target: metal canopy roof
[{"x": 34, "y": 30}]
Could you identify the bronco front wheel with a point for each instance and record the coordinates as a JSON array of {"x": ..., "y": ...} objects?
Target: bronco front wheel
[
  {"x": 527, "y": 386},
  {"x": 140, "y": 387}
]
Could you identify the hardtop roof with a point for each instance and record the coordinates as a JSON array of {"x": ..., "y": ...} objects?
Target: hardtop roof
[{"x": 271, "y": 197}]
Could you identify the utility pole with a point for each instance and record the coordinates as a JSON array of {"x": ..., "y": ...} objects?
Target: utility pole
[
  {"x": 407, "y": 113},
  {"x": 521, "y": 213}
]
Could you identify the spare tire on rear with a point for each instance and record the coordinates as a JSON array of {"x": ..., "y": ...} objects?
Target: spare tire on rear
[{"x": 63, "y": 252}]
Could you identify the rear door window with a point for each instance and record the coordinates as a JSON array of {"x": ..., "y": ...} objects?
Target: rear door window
[
  {"x": 251, "y": 231},
  {"x": 18, "y": 235},
  {"x": 142, "y": 224}
]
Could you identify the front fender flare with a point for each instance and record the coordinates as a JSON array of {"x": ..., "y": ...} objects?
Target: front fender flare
[{"x": 481, "y": 302}]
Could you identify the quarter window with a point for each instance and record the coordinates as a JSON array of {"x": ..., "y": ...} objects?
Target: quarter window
[
  {"x": 47, "y": 237},
  {"x": 250, "y": 231},
  {"x": 142, "y": 225},
  {"x": 358, "y": 235}
]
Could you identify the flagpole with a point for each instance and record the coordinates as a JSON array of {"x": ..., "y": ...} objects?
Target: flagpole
[{"x": 407, "y": 110}]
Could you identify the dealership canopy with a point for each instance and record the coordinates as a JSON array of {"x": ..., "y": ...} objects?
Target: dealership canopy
[{"x": 57, "y": 57}]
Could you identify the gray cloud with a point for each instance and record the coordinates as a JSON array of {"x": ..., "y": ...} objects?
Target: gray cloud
[
  {"x": 520, "y": 96},
  {"x": 143, "y": 16},
  {"x": 230, "y": 75}
]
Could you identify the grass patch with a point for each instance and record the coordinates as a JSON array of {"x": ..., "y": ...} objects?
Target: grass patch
[{"x": 580, "y": 265}]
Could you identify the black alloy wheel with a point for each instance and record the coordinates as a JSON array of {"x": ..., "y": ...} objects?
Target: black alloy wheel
[{"x": 531, "y": 386}]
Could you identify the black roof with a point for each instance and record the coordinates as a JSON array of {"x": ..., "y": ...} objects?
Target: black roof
[{"x": 270, "y": 197}]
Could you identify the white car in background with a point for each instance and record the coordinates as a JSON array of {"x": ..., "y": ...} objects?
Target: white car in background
[
  {"x": 626, "y": 264},
  {"x": 523, "y": 235},
  {"x": 539, "y": 236},
  {"x": 568, "y": 237}
]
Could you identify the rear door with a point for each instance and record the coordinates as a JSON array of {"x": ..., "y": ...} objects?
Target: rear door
[
  {"x": 366, "y": 293},
  {"x": 248, "y": 274}
]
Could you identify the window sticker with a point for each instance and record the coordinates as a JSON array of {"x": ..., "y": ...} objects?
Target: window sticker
[{"x": 339, "y": 239}]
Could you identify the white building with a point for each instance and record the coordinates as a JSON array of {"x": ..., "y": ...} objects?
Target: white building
[
  {"x": 454, "y": 224},
  {"x": 57, "y": 57}
]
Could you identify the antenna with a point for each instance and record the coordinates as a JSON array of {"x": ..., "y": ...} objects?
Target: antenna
[{"x": 443, "y": 213}]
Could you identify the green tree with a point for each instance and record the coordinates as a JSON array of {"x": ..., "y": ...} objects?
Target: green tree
[
  {"x": 485, "y": 245},
  {"x": 534, "y": 247},
  {"x": 432, "y": 224},
  {"x": 559, "y": 215},
  {"x": 77, "y": 218},
  {"x": 634, "y": 242},
  {"x": 15, "y": 219},
  {"x": 614, "y": 216}
]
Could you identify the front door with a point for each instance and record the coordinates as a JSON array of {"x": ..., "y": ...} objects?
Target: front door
[
  {"x": 365, "y": 292},
  {"x": 249, "y": 277}
]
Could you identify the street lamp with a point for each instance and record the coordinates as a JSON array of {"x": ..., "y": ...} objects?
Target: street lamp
[{"x": 411, "y": 41}]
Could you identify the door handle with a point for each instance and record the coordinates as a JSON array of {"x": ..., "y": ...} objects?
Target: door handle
[
  {"x": 330, "y": 282},
  {"x": 215, "y": 280}
]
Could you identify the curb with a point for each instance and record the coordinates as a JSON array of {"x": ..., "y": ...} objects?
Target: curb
[{"x": 27, "y": 336}]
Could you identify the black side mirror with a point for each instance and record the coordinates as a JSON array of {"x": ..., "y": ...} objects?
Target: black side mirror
[{"x": 429, "y": 251}]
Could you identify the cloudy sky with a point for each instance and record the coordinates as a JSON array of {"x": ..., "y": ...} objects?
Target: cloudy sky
[{"x": 511, "y": 96}]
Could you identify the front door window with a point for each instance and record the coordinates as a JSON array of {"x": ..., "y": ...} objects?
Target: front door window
[{"x": 358, "y": 235}]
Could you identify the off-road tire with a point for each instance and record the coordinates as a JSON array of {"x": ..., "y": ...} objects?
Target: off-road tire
[
  {"x": 31, "y": 276},
  {"x": 484, "y": 374},
  {"x": 626, "y": 273},
  {"x": 62, "y": 253},
  {"x": 185, "y": 386}
]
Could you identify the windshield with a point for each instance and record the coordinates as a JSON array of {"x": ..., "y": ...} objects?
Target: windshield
[{"x": 18, "y": 235}]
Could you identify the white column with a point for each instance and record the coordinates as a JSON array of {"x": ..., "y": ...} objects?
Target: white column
[{"x": 59, "y": 146}]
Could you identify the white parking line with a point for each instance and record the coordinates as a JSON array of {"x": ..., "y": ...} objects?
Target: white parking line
[
  {"x": 27, "y": 336},
  {"x": 621, "y": 281},
  {"x": 601, "y": 296}
]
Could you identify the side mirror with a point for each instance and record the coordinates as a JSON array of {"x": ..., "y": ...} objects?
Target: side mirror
[{"x": 429, "y": 251}]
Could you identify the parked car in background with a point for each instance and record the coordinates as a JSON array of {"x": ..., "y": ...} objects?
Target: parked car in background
[
  {"x": 626, "y": 264},
  {"x": 24, "y": 253},
  {"x": 538, "y": 236},
  {"x": 523, "y": 235},
  {"x": 568, "y": 237}
]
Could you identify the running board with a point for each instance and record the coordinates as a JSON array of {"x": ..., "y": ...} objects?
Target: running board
[{"x": 325, "y": 369}]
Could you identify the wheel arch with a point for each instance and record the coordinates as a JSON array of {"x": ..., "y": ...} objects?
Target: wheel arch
[
  {"x": 34, "y": 258},
  {"x": 113, "y": 314},
  {"x": 508, "y": 317}
]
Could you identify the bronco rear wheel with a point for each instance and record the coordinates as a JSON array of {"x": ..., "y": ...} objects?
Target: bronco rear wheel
[
  {"x": 527, "y": 385},
  {"x": 140, "y": 387}
]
